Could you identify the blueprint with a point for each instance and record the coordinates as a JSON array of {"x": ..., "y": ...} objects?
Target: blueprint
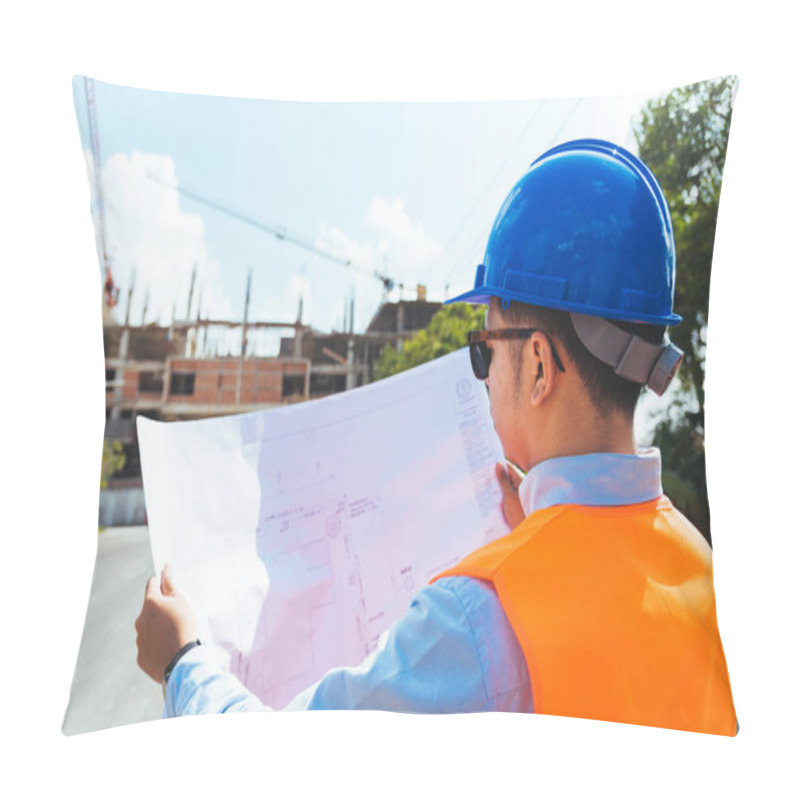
[{"x": 299, "y": 534}]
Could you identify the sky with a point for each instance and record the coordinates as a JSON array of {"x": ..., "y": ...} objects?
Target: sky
[{"x": 403, "y": 190}]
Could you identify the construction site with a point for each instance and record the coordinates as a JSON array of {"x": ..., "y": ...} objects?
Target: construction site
[
  {"x": 177, "y": 372},
  {"x": 197, "y": 367}
]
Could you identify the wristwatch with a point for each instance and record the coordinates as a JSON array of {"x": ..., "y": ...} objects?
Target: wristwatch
[{"x": 175, "y": 659}]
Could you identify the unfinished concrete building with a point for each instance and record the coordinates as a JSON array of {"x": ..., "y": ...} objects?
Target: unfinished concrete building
[{"x": 170, "y": 373}]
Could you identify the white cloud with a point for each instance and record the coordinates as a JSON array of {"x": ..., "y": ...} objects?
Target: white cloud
[
  {"x": 408, "y": 248},
  {"x": 148, "y": 233},
  {"x": 399, "y": 245},
  {"x": 333, "y": 241}
]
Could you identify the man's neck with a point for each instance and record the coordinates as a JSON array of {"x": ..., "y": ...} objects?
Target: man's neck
[{"x": 585, "y": 433}]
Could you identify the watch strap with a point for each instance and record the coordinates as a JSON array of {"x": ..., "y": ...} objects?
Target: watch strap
[{"x": 176, "y": 658}]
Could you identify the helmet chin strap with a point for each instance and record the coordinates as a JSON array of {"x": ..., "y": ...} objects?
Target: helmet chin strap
[{"x": 633, "y": 358}]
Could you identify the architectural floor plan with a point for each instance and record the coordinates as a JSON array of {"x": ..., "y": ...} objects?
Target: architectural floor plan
[{"x": 301, "y": 533}]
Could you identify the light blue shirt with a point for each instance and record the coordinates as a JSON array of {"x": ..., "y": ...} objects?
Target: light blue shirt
[{"x": 454, "y": 650}]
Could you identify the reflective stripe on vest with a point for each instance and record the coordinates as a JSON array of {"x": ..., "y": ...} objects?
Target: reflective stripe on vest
[{"x": 614, "y": 611}]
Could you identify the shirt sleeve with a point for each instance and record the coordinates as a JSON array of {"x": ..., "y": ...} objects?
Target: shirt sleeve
[
  {"x": 200, "y": 684},
  {"x": 453, "y": 651}
]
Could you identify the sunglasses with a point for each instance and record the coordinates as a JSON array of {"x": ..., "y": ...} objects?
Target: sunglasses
[{"x": 480, "y": 355}]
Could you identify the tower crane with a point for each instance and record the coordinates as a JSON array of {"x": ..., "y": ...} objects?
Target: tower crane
[
  {"x": 282, "y": 235},
  {"x": 110, "y": 290}
]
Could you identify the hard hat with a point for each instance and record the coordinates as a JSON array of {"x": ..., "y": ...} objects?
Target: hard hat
[{"x": 587, "y": 230}]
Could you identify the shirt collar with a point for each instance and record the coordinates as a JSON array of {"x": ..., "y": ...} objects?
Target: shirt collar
[{"x": 596, "y": 479}]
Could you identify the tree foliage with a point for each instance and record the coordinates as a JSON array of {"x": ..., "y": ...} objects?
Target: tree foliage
[
  {"x": 113, "y": 460},
  {"x": 683, "y": 138},
  {"x": 446, "y": 332}
]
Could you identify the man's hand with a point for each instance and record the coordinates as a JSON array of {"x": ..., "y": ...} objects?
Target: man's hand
[
  {"x": 509, "y": 480},
  {"x": 165, "y": 625}
]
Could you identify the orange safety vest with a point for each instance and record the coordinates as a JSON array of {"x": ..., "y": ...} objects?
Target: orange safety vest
[{"x": 614, "y": 611}]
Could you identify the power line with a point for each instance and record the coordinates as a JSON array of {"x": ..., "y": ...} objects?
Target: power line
[
  {"x": 552, "y": 141},
  {"x": 497, "y": 174}
]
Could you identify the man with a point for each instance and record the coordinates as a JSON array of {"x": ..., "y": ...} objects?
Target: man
[{"x": 600, "y": 603}]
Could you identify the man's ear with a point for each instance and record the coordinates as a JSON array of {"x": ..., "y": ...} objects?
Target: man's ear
[{"x": 542, "y": 367}]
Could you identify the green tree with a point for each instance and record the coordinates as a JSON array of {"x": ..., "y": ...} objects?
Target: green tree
[
  {"x": 113, "y": 460},
  {"x": 683, "y": 138},
  {"x": 446, "y": 332}
]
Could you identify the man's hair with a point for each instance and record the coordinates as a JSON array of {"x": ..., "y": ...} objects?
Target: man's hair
[{"x": 607, "y": 390}]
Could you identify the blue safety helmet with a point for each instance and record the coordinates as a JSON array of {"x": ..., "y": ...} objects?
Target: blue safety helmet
[{"x": 587, "y": 230}]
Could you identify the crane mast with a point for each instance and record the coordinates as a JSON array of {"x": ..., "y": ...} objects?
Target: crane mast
[{"x": 110, "y": 291}]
